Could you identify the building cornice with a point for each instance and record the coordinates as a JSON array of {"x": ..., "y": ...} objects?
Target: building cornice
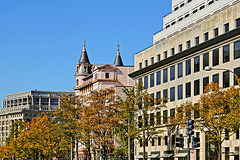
[{"x": 187, "y": 52}]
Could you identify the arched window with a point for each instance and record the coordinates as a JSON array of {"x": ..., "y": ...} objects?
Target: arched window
[
  {"x": 77, "y": 68},
  {"x": 77, "y": 82}
]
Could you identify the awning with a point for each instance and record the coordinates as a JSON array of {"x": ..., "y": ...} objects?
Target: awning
[
  {"x": 139, "y": 156},
  {"x": 166, "y": 155},
  {"x": 153, "y": 155},
  {"x": 181, "y": 155}
]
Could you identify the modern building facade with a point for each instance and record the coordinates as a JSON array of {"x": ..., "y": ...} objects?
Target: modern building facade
[
  {"x": 196, "y": 34},
  {"x": 25, "y": 105},
  {"x": 94, "y": 77}
]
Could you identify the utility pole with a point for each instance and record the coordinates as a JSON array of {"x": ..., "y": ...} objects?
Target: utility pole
[{"x": 190, "y": 132}]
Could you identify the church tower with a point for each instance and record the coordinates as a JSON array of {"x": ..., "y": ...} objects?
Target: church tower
[
  {"x": 118, "y": 59},
  {"x": 83, "y": 67}
]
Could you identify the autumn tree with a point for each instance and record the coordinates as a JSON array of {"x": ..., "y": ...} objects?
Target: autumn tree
[{"x": 217, "y": 113}]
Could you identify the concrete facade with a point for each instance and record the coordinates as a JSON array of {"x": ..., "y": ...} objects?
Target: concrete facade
[{"x": 173, "y": 67}]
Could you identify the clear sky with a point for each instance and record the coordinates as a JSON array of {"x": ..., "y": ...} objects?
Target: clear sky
[{"x": 41, "y": 40}]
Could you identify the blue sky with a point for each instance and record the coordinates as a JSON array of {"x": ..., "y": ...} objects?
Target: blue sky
[{"x": 41, "y": 40}]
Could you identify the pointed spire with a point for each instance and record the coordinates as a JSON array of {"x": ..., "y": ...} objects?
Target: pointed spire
[
  {"x": 84, "y": 56},
  {"x": 118, "y": 59}
]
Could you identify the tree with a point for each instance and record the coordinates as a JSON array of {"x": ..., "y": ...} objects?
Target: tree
[
  {"x": 217, "y": 112},
  {"x": 139, "y": 103}
]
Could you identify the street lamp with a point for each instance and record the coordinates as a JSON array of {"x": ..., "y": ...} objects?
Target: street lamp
[{"x": 208, "y": 68}]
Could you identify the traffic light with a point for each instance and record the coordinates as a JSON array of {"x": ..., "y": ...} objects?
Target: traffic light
[
  {"x": 180, "y": 141},
  {"x": 190, "y": 126},
  {"x": 195, "y": 142}
]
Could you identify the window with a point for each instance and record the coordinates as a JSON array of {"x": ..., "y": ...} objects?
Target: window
[
  {"x": 172, "y": 94},
  {"x": 172, "y": 73},
  {"x": 187, "y": 15},
  {"x": 153, "y": 142},
  {"x": 140, "y": 80},
  {"x": 181, "y": 5},
  {"x": 188, "y": 44},
  {"x": 194, "y": 11},
  {"x": 173, "y": 23},
  {"x": 151, "y": 119},
  {"x": 180, "y": 70},
  {"x": 201, "y": 7},
  {"x": 165, "y": 75},
  {"x": 215, "y": 78},
  {"x": 226, "y": 53},
  {"x": 237, "y": 72},
  {"x": 106, "y": 75},
  {"x": 152, "y": 60},
  {"x": 165, "y": 93},
  {"x": 211, "y": 2},
  {"x": 205, "y": 60},
  {"x": 172, "y": 112},
  {"x": 237, "y": 134},
  {"x": 85, "y": 69},
  {"x": 197, "y": 40},
  {"x": 188, "y": 89},
  {"x": 140, "y": 142},
  {"x": 189, "y": 1},
  {"x": 196, "y": 87},
  {"x": 215, "y": 32},
  {"x": 205, "y": 83},
  {"x": 165, "y": 54},
  {"x": 158, "y": 97},
  {"x": 173, "y": 51},
  {"x": 146, "y": 63},
  {"x": 206, "y": 36},
  {"x": 196, "y": 64},
  {"x": 166, "y": 140},
  {"x": 140, "y": 124},
  {"x": 226, "y": 27},
  {"x": 237, "y": 22},
  {"x": 180, "y": 91},
  {"x": 180, "y": 48},
  {"x": 145, "y": 82},
  {"x": 227, "y": 153},
  {"x": 159, "y": 57},
  {"x": 152, "y": 99},
  {"x": 226, "y": 79},
  {"x": 226, "y": 134},
  {"x": 158, "y": 77},
  {"x": 159, "y": 141},
  {"x": 176, "y": 8},
  {"x": 140, "y": 65},
  {"x": 77, "y": 82},
  {"x": 152, "y": 80},
  {"x": 188, "y": 67},
  {"x": 158, "y": 117},
  {"x": 236, "y": 49},
  {"x": 165, "y": 116},
  {"x": 215, "y": 57}
]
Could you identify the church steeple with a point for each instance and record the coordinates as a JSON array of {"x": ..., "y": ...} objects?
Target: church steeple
[
  {"x": 84, "y": 56},
  {"x": 118, "y": 59}
]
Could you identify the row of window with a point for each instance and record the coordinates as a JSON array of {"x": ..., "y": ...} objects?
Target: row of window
[
  {"x": 162, "y": 76},
  {"x": 188, "y": 44}
]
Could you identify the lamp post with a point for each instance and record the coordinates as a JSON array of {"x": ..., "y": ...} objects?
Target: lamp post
[{"x": 208, "y": 68}]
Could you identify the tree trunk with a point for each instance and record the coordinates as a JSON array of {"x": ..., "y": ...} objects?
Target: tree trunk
[
  {"x": 89, "y": 153},
  {"x": 144, "y": 145}
]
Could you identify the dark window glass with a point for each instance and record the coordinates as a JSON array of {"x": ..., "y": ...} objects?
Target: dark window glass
[
  {"x": 172, "y": 112},
  {"x": 201, "y": 7},
  {"x": 206, "y": 36},
  {"x": 173, "y": 23},
  {"x": 153, "y": 142},
  {"x": 237, "y": 22},
  {"x": 152, "y": 60},
  {"x": 226, "y": 134},
  {"x": 236, "y": 49},
  {"x": 106, "y": 75},
  {"x": 165, "y": 116},
  {"x": 188, "y": 44},
  {"x": 226, "y": 79},
  {"x": 140, "y": 142},
  {"x": 180, "y": 70},
  {"x": 227, "y": 153},
  {"x": 166, "y": 140},
  {"x": 180, "y": 48},
  {"x": 159, "y": 57},
  {"x": 237, "y": 135},
  {"x": 140, "y": 65},
  {"x": 188, "y": 67},
  {"x": 211, "y": 2},
  {"x": 152, "y": 80},
  {"x": 140, "y": 124},
  {"x": 195, "y": 11},
  {"x": 158, "y": 97},
  {"x": 226, "y": 27},
  {"x": 188, "y": 89},
  {"x": 215, "y": 57},
  {"x": 158, "y": 77},
  {"x": 173, "y": 51},
  {"x": 146, "y": 63},
  {"x": 187, "y": 15},
  {"x": 173, "y": 139},
  {"x": 167, "y": 26},
  {"x": 196, "y": 64},
  {"x": 216, "y": 78},
  {"x": 205, "y": 83},
  {"x": 189, "y": 1},
  {"x": 172, "y": 94},
  {"x": 165, "y": 93},
  {"x": 151, "y": 119},
  {"x": 225, "y": 53},
  {"x": 158, "y": 117},
  {"x": 180, "y": 91},
  {"x": 237, "y": 72},
  {"x": 197, "y": 40},
  {"x": 145, "y": 120},
  {"x": 165, "y": 54},
  {"x": 172, "y": 73},
  {"x": 196, "y": 87},
  {"x": 216, "y": 32},
  {"x": 176, "y": 8},
  {"x": 145, "y": 82},
  {"x": 152, "y": 99},
  {"x": 159, "y": 141},
  {"x": 205, "y": 60},
  {"x": 182, "y": 5},
  {"x": 140, "y": 80},
  {"x": 165, "y": 75}
]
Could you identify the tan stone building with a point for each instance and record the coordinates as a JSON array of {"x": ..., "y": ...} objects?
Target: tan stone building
[{"x": 196, "y": 34}]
